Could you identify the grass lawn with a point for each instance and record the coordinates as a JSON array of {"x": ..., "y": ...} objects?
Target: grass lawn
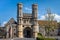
[
  {"x": 45, "y": 39},
  {"x": 40, "y": 37}
]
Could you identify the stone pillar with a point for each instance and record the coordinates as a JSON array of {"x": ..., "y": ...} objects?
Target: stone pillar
[
  {"x": 34, "y": 19},
  {"x": 20, "y": 20},
  {"x": 7, "y": 29},
  {"x": 11, "y": 31}
]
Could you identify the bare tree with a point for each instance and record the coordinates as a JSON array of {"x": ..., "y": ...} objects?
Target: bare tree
[{"x": 49, "y": 17}]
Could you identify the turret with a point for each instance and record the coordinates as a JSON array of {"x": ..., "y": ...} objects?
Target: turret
[
  {"x": 19, "y": 13},
  {"x": 34, "y": 10},
  {"x": 34, "y": 19},
  {"x": 20, "y": 20}
]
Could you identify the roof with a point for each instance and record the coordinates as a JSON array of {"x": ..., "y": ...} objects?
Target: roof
[
  {"x": 43, "y": 23},
  {"x": 11, "y": 21}
]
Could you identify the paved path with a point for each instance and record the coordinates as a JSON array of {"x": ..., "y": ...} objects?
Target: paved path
[{"x": 20, "y": 39}]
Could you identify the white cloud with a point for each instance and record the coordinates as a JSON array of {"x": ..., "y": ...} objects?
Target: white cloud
[
  {"x": 42, "y": 17},
  {"x": 29, "y": 9},
  {"x": 4, "y": 23},
  {"x": 57, "y": 17}
]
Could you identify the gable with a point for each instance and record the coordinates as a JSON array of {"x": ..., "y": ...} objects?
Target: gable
[{"x": 11, "y": 21}]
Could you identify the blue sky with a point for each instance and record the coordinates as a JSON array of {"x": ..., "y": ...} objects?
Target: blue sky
[{"x": 8, "y": 8}]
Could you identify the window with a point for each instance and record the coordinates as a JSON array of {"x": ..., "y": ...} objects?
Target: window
[
  {"x": 23, "y": 26},
  {"x": 24, "y": 21},
  {"x": 14, "y": 33}
]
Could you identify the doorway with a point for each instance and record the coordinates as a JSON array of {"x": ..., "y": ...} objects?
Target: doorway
[{"x": 27, "y": 32}]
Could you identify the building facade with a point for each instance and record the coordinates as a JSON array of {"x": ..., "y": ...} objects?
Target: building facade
[
  {"x": 48, "y": 29},
  {"x": 26, "y": 25}
]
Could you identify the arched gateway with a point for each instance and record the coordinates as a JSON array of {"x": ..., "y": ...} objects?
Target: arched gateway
[
  {"x": 27, "y": 32},
  {"x": 26, "y": 22}
]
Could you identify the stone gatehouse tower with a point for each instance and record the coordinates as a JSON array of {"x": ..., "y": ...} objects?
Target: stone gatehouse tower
[{"x": 27, "y": 23}]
